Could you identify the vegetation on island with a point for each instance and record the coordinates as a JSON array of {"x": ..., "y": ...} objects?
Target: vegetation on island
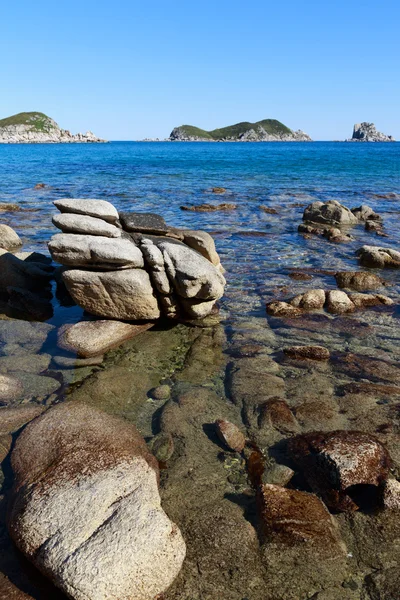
[
  {"x": 271, "y": 126},
  {"x": 36, "y": 120}
]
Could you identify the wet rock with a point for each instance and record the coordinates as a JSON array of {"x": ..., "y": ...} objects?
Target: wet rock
[
  {"x": 307, "y": 352},
  {"x": 334, "y": 234},
  {"x": 268, "y": 209},
  {"x": 126, "y": 295},
  {"x": 335, "y": 462},
  {"x": 162, "y": 446},
  {"x": 391, "y": 494},
  {"x": 92, "y": 338},
  {"x": 143, "y": 223},
  {"x": 8, "y": 207},
  {"x": 331, "y": 213},
  {"x": 365, "y": 213},
  {"x": 359, "y": 367},
  {"x": 37, "y": 386},
  {"x": 40, "y": 186},
  {"x": 203, "y": 243},
  {"x": 82, "y": 224},
  {"x": 210, "y": 207},
  {"x": 230, "y": 435},
  {"x": 11, "y": 389},
  {"x": 300, "y": 276},
  {"x": 100, "y": 209},
  {"x": 29, "y": 304},
  {"x": 358, "y": 280},
  {"x": 318, "y": 414},
  {"x": 29, "y": 363},
  {"x": 276, "y": 413},
  {"x": 12, "y": 419},
  {"x": 278, "y": 475},
  {"x": 21, "y": 274},
  {"x": 9, "y": 239},
  {"x": 376, "y": 227},
  {"x": 311, "y": 300},
  {"x": 30, "y": 336},
  {"x": 364, "y": 300},
  {"x": 338, "y": 302},
  {"x": 98, "y": 499},
  {"x": 368, "y": 388},
  {"x": 378, "y": 257},
  {"x": 282, "y": 309},
  {"x": 218, "y": 190},
  {"x": 161, "y": 392},
  {"x": 72, "y": 362},
  {"x": 95, "y": 251},
  {"x": 382, "y": 585}
]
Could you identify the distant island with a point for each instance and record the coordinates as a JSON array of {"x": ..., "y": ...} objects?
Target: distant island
[
  {"x": 268, "y": 130},
  {"x": 38, "y": 128},
  {"x": 367, "y": 132}
]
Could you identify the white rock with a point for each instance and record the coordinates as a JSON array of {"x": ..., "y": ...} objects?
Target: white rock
[
  {"x": 92, "y": 208},
  {"x": 69, "y": 223},
  {"x": 338, "y": 302},
  {"x": 92, "y": 250},
  {"x": 10, "y": 389},
  {"x": 9, "y": 239},
  {"x": 203, "y": 243}
]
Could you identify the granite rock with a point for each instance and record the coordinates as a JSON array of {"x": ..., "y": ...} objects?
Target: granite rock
[
  {"x": 95, "y": 251},
  {"x": 100, "y": 209},
  {"x": 378, "y": 257},
  {"x": 82, "y": 224},
  {"x": 9, "y": 239},
  {"x": 330, "y": 213}
]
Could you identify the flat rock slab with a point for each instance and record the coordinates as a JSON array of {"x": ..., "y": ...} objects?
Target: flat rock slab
[
  {"x": 143, "y": 223},
  {"x": 11, "y": 389},
  {"x": 86, "y": 508},
  {"x": 12, "y": 419},
  {"x": 93, "y": 338},
  {"x": 29, "y": 363},
  {"x": 70, "y": 223},
  {"x": 94, "y": 251},
  {"x": 92, "y": 208}
]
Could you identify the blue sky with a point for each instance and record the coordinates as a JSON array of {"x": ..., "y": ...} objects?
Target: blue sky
[{"x": 128, "y": 69}]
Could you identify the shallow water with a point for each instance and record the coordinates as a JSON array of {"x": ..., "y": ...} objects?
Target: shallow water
[{"x": 204, "y": 486}]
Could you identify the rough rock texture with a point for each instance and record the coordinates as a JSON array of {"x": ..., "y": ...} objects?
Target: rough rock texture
[
  {"x": 95, "y": 251},
  {"x": 365, "y": 213},
  {"x": 92, "y": 338},
  {"x": 9, "y": 239},
  {"x": 71, "y": 223},
  {"x": 12, "y": 419},
  {"x": 307, "y": 352},
  {"x": 210, "y": 207},
  {"x": 358, "y": 280},
  {"x": 391, "y": 494},
  {"x": 86, "y": 508},
  {"x": 311, "y": 300},
  {"x": 336, "y": 461},
  {"x": 330, "y": 213},
  {"x": 10, "y": 389},
  {"x": 362, "y": 300},
  {"x": 367, "y": 132},
  {"x": 282, "y": 309},
  {"x": 203, "y": 243},
  {"x": 126, "y": 295},
  {"x": 378, "y": 257},
  {"x": 92, "y": 208},
  {"x": 144, "y": 223},
  {"x": 230, "y": 435},
  {"x": 338, "y": 302}
]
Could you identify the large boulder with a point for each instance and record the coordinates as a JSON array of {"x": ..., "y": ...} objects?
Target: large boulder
[
  {"x": 358, "y": 280},
  {"x": 375, "y": 256},
  {"x": 86, "y": 510},
  {"x": 72, "y": 223},
  {"x": 126, "y": 295},
  {"x": 18, "y": 273},
  {"x": 330, "y": 213},
  {"x": 9, "y": 239},
  {"x": 91, "y": 208}
]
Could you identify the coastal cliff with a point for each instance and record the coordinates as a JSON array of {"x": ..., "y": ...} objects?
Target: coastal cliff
[
  {"x": 367, "y": 132},
  {"x": 268, "y": 130},
  {"x": 38, "y": 128}
]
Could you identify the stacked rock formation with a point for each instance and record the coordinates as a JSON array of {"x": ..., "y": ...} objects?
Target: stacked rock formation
[{"x": 133, "y": 266}]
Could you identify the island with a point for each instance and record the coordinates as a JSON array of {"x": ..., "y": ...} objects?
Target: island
[
  {"x": 38, "y": 128},
  {"x": 268, "y": 130},
  {"x": 367, "y": 132}
]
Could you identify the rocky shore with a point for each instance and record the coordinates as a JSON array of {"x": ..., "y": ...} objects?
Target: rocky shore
[
  {"x": 367, "y": 132},
  {"x": 37, "y": 128},
  {"x": 152, "y": 451}
]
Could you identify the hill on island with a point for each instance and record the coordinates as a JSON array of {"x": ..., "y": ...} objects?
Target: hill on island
[
  {"x": 38, "y": 128},
  {"x": 268, "y": 130}
]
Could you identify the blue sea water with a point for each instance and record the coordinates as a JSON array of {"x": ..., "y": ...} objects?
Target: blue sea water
[{"x": 255, "y": 247}]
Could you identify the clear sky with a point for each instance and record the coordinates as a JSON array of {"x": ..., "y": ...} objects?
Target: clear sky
[{"x": 128, "y": 70}]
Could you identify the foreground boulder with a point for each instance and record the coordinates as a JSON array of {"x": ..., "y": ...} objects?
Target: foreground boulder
[
  {"x": 333, "y": 463},
  {"x": 85, "y": 507},
  {"x": 358, "y": 280},
  {"x": 9, "y": 239},
  {"x": 377, "y": 257},
  {"x": 329, "y": 213}
]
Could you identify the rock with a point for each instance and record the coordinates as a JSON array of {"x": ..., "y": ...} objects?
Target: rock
[
  {"x": 278, "y": 475},
  {"x": 72, "y": 362},
  {"x": 162, "y": 446},
  {"x": 11, "y": 389},
  {"x": 268, "y": 209},
  {"x": 37, "y": 387},
  {"x": 376, "y": 227},
  {"x": 100, "y": 209},
  {"x": 161, "y": 392},
  {"x": 367, "y": 132},
  {"x": 230, "y": 435},
  {"x": 282, "y": 309},
  {"x": 29, "y": 304},
  {"x": 330, "y": 213},
  {"x": 144, "y": 223},
  {"x": 203, "y": 243},
  {"x": 300, "y": 276},
  {"x": 377, "y": 257},
  {"x": 192, "y": 275},
  {"x": 95, "y": 251},
  {"x": 333, "y": 234},
  {"x": 39, "y": 186},
  {"x": 276, "y": 413},
  {"x": 391, "y": 494},
  {"x": 92, "y": 338},
  {"x": 338, "y": 302},
  {"x": 295, "y": 518},
  {"x": 382, "y": 585},
  {"x": 210, "y": 207},
  {"x": 71, "y": 223},
  {"x": 358, "y": 280},
  {"x": 86, "y": 490},
  {"x": 311, "y": 300},
  {"x": 218, "y": 190},
  {"x": 29, "y": 363},
  {"x": 8, "y": 207},
  {"x": 363, "y": 300},
  {"x": 365, "y": 213},
  {"x": 126, "y": 295},
  {"x": 333, "y": 463},
  {"x": 12, "y": 419},
  {"x": 33, "y": 257},
  {"x": 18, "y": 273},
  {"x": 24, "y": 333},
  {"x": 9, "y": 239},
  {"x": 307, "y": 352}
]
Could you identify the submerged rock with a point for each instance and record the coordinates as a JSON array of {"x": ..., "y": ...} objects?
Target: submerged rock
[
  {"x": 210, "y": 207},
  {"x": 230, "y": 435},
  {"x": 334, "y": 463},
  {"x": 11, "y": 389},
  {"x": 93, "y": 338},
  {"x": 358, "y": 280},
  {"x": 307, "y": 352},
  {"x": 378, "y": 257},
  {"x": 85, "y": 495}
]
